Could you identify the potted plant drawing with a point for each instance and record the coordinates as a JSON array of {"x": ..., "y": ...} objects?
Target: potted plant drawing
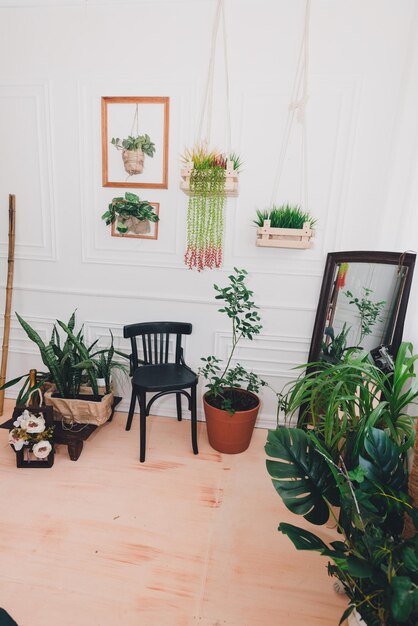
[
  {"x": 208, "y": 177},
  {"x": 231, "y": 404},
  {"x": 286, "y": 226},
  {"x": 134, "y": 149},
  {"x": 131, "y": 214},
  {"x": 72, "y": 365}
]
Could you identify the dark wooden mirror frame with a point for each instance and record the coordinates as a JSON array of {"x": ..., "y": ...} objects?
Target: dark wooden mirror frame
[{"x": 404, "y": 259}]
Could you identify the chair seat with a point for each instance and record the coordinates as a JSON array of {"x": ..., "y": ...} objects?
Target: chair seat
[{"x": 164, "y": 376}]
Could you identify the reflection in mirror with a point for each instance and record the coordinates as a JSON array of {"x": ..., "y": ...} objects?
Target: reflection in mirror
[{"x": 362, "y": 306}]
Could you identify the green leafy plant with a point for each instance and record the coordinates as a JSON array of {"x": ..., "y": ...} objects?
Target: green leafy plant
[
  {"x": 138, "y": 142},
  {"x": 131, "y": 206},
  {"x": 223, "y": 381},
  {"x": 205, "y": 212},
  {"x": 285, "y": 216},
  {"x": 368, "y": 311},
  {"x": 376, "y": 566},
  {"x": 334, "y": 346},
  {"x": 342, "y": 399},
  {"x": 104, "y": 364},
  {"x": 70, "y": 362}
]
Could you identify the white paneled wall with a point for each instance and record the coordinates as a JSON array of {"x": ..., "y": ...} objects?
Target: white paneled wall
[{"x": 58, "y": 58}]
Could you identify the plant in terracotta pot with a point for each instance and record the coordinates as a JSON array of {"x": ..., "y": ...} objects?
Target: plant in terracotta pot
[
  {"x": 131, "y": 214},
  {"x": 231, "y": 404},
  {"x": 134, "y": 149}
]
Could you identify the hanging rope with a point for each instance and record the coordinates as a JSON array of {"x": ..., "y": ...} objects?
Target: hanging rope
[
  {"x": 135, "y": 122},
  {"x": 297, "y": 107},
  {"x": 207, "y": 103}
]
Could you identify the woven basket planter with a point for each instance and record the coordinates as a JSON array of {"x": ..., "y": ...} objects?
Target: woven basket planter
[
  {"x": 269, "y": 237},
  {"x": 138, "y": 227},
  {"x": 231, "y": 179},
  {"x": 80, "y": 410},
  {"x": 133, "y": 161}
]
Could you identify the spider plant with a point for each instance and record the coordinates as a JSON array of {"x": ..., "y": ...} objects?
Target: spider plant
[
  {"x": 338, "y": 400},
  {"x": 284, "y": 216}
]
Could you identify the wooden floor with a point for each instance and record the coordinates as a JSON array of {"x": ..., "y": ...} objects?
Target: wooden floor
[{"x": 177, "y": 541}]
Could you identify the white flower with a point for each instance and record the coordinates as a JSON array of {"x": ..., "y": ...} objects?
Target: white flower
[
  {"x": 16, "y": 441},
  {"x": 20, "y": 422},
  {"x": 35, "y": 424},
  {"x": 42, "y": 449},
  {"x": 30, "y": 422}
]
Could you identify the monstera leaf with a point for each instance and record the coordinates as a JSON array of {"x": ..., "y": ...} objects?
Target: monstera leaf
[
  {"x": 301, "y": 477},
  {"x": 383, "y": 464}
]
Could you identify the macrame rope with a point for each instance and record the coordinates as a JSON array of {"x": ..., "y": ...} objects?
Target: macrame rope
[
  {"x": 135, "y": 122},
  {"x": 299, "y": 98},
  {"x": 207, "y": 103}
]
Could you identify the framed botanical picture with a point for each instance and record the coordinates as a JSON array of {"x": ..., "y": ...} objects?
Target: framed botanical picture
[
  {"x": 135, "y": 142},
  {"x": 134, "y": 228}
]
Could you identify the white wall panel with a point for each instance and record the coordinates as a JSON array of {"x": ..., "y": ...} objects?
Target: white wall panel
[{"x": 56, "y": 61}]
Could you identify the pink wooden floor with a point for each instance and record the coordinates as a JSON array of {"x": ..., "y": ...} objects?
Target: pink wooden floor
[{"x": 177, "y": 541}]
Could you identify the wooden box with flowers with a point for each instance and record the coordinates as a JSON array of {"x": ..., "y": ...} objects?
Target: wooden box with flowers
[{"x": 31, "y": 436}]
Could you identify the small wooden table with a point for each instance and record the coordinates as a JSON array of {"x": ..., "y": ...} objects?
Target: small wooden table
[{"x": 74, "y": 436}]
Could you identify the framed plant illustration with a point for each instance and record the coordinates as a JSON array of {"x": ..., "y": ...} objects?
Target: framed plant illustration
[{"x": 135, "y": 142}]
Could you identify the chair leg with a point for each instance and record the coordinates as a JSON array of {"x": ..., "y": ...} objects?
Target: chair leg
[
  {"x": 131, "y": 410},
  {"x": 194, "y": 418},
  {"x": 142, "y": 425},
  {"x": 178, "y": 403}
]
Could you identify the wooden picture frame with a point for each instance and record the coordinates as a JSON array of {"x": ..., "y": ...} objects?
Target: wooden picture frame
[
  {"x": 27, "y": 459},
  {"x": 125, "y": 116},
  {"x": 153, "y": 234}
]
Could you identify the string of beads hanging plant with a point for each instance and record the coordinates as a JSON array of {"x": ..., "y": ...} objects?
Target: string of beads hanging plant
[
  {"x": 205, "y": 212},
  {"x": 209, "y": 176}
]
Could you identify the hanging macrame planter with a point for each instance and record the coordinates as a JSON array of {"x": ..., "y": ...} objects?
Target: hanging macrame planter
[
  {"x": 293, "y": 227},
  {"x": 208, "y": 177},
  {"x": 134, "y": 148}
]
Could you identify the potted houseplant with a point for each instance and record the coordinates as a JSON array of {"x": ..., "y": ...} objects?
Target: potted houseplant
[
  {"x": 208, "y": 177},
  {"x": 335, "y": 398},
  {"x": 376, "y": 566},
  {"x": 131, "y": 214},
  {"x": 286, "y": 226},
  {"x": 231, "y": 404},
  {"x": 70, "y": 364},
  {"x": 134, "y": 149}
]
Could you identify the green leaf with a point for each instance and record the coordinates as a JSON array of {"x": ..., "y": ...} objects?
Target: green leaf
[
  {"x": 359, "y": 568},
  {"x": 384, "y": 465},
  {"x": 402, "y": 598},
  {"x": 302, "y": 476},
  {"x": 302, "y": 539}
]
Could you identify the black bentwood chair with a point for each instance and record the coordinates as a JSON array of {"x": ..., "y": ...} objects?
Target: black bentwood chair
[{"x": 157, "y": 375}]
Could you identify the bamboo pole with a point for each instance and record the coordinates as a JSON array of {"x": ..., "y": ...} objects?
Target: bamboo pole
[{"x": 9, "y": 291}]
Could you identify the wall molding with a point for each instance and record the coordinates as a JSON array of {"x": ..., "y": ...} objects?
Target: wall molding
[{"x": 39, "y": 93}]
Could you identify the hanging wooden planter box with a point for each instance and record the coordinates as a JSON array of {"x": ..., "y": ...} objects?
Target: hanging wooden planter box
[
  {"x": 231, "y": 179},
  {"x": 269, "y": 237}
]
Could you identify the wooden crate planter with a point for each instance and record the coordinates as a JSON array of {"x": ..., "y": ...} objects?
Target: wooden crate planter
[
  {"x": 284, "y": 237},
  {"x": 231, "y": 179},
  {"x": 24, "y": 457}
]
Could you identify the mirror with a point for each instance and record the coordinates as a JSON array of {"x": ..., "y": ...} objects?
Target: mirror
[{"x": 362, "y": 304}]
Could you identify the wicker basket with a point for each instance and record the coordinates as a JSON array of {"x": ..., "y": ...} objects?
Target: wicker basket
[{"x": 133, "y": 161}]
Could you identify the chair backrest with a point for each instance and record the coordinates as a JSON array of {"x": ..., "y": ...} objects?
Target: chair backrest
[{"x": 156, "y": 341}]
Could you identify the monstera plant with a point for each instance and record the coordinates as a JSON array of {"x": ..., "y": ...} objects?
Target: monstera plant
[{"x": 377, "y": 567}]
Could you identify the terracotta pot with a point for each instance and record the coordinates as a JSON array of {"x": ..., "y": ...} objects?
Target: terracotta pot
[{"x": 227, "y": 433}]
